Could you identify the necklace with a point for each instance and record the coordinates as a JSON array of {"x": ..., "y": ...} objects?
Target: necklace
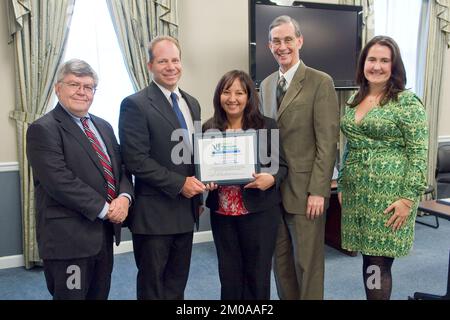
[{"x": 374, "y": 100}]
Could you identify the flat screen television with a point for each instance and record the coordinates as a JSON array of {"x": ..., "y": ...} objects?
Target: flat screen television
[{"x": 331, "y": 33}]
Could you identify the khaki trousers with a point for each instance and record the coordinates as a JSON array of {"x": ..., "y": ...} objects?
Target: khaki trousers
[{"x": 299, "y": 257}]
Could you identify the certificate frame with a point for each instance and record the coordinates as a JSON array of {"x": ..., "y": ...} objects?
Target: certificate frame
[{"x": 226, "y": 158}]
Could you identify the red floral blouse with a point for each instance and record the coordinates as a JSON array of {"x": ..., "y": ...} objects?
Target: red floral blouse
[{"x": 230, "y": 201}]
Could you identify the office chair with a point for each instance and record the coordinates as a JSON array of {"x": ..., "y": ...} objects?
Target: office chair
[
  {"x": 443, "y": 171},
  {"x": 442, "y": 179},
  {"x": 428, "y": 296},
  {"x": 432, "y": 191}
]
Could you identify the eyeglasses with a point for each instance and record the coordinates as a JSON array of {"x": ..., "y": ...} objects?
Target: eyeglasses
[
  {"x": 74, "y": 86},
  {"x": 288, "y": 41}
]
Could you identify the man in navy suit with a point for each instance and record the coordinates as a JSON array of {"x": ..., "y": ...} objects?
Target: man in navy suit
[
  {"x": 167, "y": 193},
  {"x": 82, "y": 190}
]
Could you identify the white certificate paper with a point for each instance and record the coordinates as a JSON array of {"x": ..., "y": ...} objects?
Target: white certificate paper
[{"x": 227, "y": 159}]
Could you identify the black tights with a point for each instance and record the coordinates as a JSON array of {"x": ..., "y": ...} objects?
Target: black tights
[{"x": 377, "y": 277}]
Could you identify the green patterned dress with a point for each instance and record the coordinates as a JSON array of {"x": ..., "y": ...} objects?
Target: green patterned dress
[{"x": 385, "y": 159}]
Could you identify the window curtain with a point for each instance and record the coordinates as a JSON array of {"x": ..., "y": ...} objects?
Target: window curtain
[
  {"x": 38, "y": 30},
  {"x": 367, "y": 34},
  {"x": 136, "y": 22},
  {"x": 436, "y": 41}
]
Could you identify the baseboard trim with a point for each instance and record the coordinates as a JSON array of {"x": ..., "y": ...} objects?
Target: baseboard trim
[
  {"x": 12, "y": 261},
  {"x": 203, "y": 236},
  {"x": 124, "y": 247},
  {"x": 9, "y": 166}
]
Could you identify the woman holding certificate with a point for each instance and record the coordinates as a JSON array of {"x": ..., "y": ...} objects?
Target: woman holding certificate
[{"x": 244, "y": 218}]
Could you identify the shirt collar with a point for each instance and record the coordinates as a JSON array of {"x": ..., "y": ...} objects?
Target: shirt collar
[
  {"x": 289, "y": 75},
  {"x": 74, "y": 117},
  {"x": 167, "y": 92}
]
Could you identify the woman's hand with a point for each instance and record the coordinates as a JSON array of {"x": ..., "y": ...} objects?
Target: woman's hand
[
  {"x": 340, "y": 198},
  {"x": 402, "y": 209},
  {"x": 263, "y": 181}
]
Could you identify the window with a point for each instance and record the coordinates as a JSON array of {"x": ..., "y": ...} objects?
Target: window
[
  {"x": 400, "y": 20},
  {"x": 92, "y": 38}
]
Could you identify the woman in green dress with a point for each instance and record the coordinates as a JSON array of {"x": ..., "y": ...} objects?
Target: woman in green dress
[{"x": 383, "y": 174}]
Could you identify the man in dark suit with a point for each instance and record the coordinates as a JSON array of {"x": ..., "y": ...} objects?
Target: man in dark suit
[
  {"x": 82, "y": 190},
  {"x": 304, "y": 102},
  {"x": 167, "y": 193}
]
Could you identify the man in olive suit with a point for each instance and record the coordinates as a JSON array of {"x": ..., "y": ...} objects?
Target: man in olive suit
[{"x": 304, "y": 102}]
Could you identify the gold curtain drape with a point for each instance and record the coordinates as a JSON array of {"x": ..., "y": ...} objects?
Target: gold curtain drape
[
  {"x": 38, "y": 30},
  {"x": 443, "y": 17},
  {"x": 136, "y": 22},
  {"x": 438, "y": 41}
]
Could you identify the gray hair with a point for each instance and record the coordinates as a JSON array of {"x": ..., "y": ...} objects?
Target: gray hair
[
  {"x": 283, "y": 20},
  {"x": 78, "y": 68},
  {"x": 157, "y": 39}
]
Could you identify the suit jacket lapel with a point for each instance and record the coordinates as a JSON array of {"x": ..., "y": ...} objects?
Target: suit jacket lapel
[
  {"x": 270, "y": 96},
  {"x": 160, "y": 103},
  {"x": 107, "y": 140},
  {"x": 194, "y": 112},
  {"x": 294, "y": 88},
  {"x": 195, "y": 115},
  {"x": 72, "y": 128}
]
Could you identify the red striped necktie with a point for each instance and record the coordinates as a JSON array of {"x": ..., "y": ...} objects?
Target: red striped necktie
[{"x": 104, "y": 160}]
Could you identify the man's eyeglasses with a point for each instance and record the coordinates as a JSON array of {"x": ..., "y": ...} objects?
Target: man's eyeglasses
[
  {"x": 288, "y": 41},
  {"x": 74, "y": 86}
]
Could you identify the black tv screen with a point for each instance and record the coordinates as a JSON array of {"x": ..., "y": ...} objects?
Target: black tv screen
[{"x": 331, "y": 34}]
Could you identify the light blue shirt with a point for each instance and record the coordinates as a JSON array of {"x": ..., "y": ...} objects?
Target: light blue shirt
[{"x": 77, "y": 120}]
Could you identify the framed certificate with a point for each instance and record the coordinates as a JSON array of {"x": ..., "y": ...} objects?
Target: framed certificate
[{"x": 226, "y": 158}]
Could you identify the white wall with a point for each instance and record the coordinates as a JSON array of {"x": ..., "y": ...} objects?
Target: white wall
[
  {"x": 214, "y": 40},
  {"x": 8, "y": 141}
]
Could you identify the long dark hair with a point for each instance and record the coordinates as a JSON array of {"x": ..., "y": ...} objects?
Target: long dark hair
[
  {"x": 252, "y": 118},
  {"x": 396, "y": 82}
]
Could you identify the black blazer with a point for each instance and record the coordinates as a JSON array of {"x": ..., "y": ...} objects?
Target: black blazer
[
  {"x": 70, "y": 187},
  {"x": 256, "y": 200},
  {"x": 146, "y": 124}
]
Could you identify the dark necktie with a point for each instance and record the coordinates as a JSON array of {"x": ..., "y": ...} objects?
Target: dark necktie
[
  {"x": 181, "y": 120},
  {"x": 281, "y": 90},
  {"x": 104, "y": 160}
]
